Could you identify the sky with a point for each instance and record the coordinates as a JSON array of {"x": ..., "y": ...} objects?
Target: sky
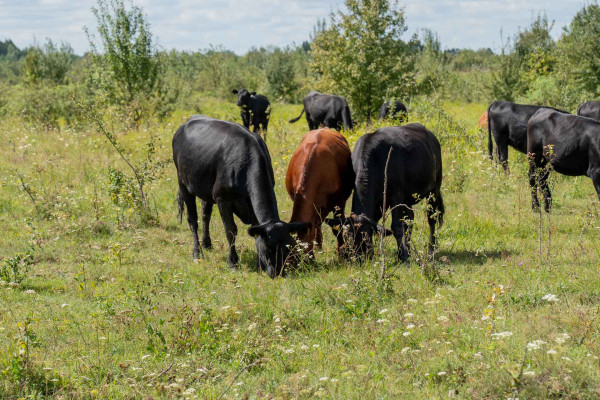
[{"x": 239, "y": 25}]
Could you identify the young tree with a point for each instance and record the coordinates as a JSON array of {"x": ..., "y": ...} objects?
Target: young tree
[
  {"x": 127, "y": 59},
  {"x": 578, "y": 49},
  {"x": 361, "y": 55},
  {"x": 48, "y": 63}
]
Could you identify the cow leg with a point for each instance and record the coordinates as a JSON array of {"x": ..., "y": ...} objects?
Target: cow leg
[
  {"x": 595, "y": 175},
  {"x": 503, "y": 154},
  {"x": 264, "y": 129},
  {"x": 435, "y": 211},
  {"x": 192, "y": 218},
  {"x": 319, "y": 237},
  {"x": 230, "y": 232},
  {"x": 533, "y": 184},
  {"x": 206, "y": 214},
  {"x": 546, "y": 190},
  {"x": 402, "y": 218}
]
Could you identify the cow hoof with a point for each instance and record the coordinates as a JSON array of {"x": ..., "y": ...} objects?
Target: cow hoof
[{"x": 207, "y": 244}]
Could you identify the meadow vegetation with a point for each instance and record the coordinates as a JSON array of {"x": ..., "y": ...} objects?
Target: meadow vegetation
[
  {"x": 99, "y": 297},
  {"x": 109, "y": 304}
]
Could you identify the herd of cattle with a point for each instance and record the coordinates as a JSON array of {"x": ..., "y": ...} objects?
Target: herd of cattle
[{"x": 394, "y": 168}]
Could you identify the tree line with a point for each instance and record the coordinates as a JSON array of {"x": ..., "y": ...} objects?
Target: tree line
[{"x": 362, "y": 53}]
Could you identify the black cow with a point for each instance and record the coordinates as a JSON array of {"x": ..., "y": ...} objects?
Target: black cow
[
  {"x": 571, "y": 145},
  {"x": 507, "y": 122},
  {"x": 224, "y": 163},
  {"x": 589, "y": 109},
  {"x": 327, "y": 110},
  {"x": 414, "y": 173},
  {"x": 255, "y": 110},
  {"x": 395, "y": 110}
]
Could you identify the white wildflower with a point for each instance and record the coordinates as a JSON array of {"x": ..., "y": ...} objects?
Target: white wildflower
[
  {"x": 441, "y": 373},
  {"x": 551, "y": 351},
  {"x": 535, "y": 345},
  {"x": 316, "y": 346},
  {"x": 408, "y": 315},
  {"x": 410, "y": 326},
  {"x": 30, "y": 291},
  {"x": 383, "y": 311},
  {"x": 550, "y": 298},
  {"x": 412, "y": 301},
  {"x": 566, "y": 359},
  {"x": 529, "y": 373},
  {"x": 65, "y": 305},
  {"x": 290, "y": 351},
  {"x": 382, "y": 320},
  {"x": 406, "y": 333},
  {"x": 501, "y": 335},
  {"x": 404, "y": 350},
  {"x": 442, "y": 318},
  {"x": 304, "y": 347},
  {"x": 561, "y": 338},
  {"x": 324, "y": 378}
]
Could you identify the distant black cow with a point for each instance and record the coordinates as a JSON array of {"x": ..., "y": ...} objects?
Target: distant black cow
[
  {"x": 221, "y": 162},
  {"x": 414, "y": 173},
  {"x": 507, "y": 122},
  {"x": 571, "y": 144},
  {"x": 255, "y": 110},
  {"x": 589, "y": 109},
  {"x": 395, "y": 110},
  {"x": 327, "y": 110}
]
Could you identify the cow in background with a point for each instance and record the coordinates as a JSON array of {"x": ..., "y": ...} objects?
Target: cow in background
[
  {"x": 327, "y": 110},
  {"x": 569, "y": 143},
  {"x": 393, "y": 109},
  {"x": 589, "y": 109},
  {"x": 255, "y": 110},
  {"x": 507, "y": 122}
]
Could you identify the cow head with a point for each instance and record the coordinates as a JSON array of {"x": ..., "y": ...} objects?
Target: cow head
[
  {"x": 359, "y": 231},
  {"x": 244, "y": 97},
  {"x": 274, "y": 243}
]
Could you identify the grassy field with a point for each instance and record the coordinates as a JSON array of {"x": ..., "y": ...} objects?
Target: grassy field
[{"x": 110, "y": 307}]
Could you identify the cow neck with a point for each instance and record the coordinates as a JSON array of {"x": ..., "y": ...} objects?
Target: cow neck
[
  {"x": 367, "y": 202},
  {"x": 262, "y": 197}
]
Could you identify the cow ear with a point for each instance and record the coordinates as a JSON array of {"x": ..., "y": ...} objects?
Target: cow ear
[
  {"x": 299, "y": 227},
  {"x": 253, "y": 93},
  {"x": 234, "y": 91},
  {"x": 257, "y": 230}
]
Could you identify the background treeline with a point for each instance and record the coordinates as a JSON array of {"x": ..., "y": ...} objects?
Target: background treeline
[{"x": 363, "y": 54}]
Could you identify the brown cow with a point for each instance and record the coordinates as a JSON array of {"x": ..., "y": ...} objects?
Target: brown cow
[
  {"x": 319, "y": 180},
  {"x": 483, "y": 121}
]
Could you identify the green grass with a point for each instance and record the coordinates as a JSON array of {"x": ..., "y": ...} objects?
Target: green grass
[{"x": 119, "y": 310}]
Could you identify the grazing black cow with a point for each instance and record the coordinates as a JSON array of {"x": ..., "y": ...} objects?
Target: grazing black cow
[
  {"x": 571, "y": 144},
  {"x": 224, "y": 163},
  {"x": 414, "y": 173},
  {"x": 395, "y": 110},
  {"x": 327, "y": 110},
  {"x": 589, "y": 109},
  {"x": 507, "y": 122},
  {"x": 255, "y": 110}
]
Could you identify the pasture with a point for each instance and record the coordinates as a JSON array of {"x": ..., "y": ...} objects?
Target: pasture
[{"x": 110, "y": 307}]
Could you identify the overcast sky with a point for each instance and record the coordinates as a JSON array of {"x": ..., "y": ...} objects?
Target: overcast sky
[{"x": 240, "y": 24}]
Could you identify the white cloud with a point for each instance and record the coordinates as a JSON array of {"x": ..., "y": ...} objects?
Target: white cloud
[{"x": 239, "y": 24}]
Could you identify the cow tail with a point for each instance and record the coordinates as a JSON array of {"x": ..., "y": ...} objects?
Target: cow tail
[
  {"x": 438, "y": 208},
  {"x": 347, "y": 119},
  {"x": 180, "y": 205},
  {"x": 489, "y": 124},
  {"x": 291, "y": 121}
]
